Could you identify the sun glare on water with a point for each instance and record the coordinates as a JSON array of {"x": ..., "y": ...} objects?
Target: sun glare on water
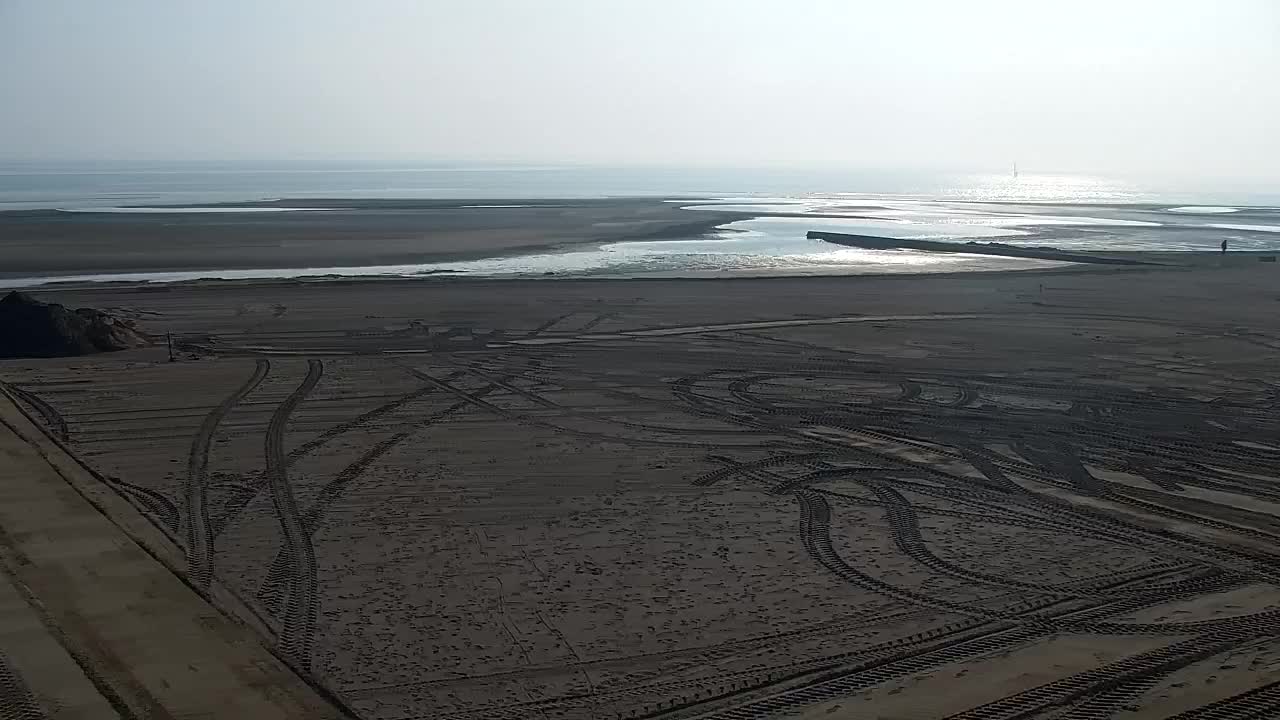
[{"x": 1042, "y": 188}]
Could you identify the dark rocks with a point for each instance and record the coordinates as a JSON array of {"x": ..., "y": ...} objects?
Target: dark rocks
[
  {"x": 972, "y": 247},
  {"x": 31, "y": 328}
]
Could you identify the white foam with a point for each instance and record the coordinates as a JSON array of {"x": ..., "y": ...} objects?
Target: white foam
[
  {"x": 1255, "y": 228},
  {"x": 1203, "y": 209},
  {"x": 1051, "y": 220},
  {"x": 185, "y": 210}
]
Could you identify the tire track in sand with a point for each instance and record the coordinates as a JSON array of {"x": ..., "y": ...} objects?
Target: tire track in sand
[
  {"x": 52, "y": 418},
  {"x": 297, "y": 633},
  {"x": 157, "y": 505},
  {"x": 1263, "y": 702},
  {"x": 255, "y": 484},
  {"x": 199, "y": 537},
  {"x": 269, "y": 593},
  {"x": 16, "y": 700}
]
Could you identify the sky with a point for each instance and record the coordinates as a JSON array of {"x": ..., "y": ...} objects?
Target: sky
[{"x": 1122, "y": 87}]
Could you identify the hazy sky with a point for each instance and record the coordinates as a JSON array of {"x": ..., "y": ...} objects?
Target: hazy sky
[{"x": 1142, "y": 89}]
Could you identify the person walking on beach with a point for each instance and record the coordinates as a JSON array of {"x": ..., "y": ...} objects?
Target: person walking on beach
[{"x": 1224, "y": 246}]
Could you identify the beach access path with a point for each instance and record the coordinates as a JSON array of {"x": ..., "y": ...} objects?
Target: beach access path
[{"x": 95, "y": 624}]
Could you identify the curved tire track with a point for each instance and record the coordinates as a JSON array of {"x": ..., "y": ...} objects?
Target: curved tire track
[
  {"x": 255, "y": 485},
  {"x": 198, "y": 535},
  {"x": 297, "y": 634},
  {"x": 153, "y": 503},
  {"x": 270, "y": 590},
  {"x": 52, "y": 418},
  {"x": 16, "y": 700}
]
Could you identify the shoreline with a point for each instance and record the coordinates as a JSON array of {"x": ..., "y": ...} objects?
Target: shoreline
[
  {"x": 1152, "y": 261},
  {"x": 365, "y": 240},
  {"x": 359, "y": 233},
  {"x": 1199, "y": 262}
]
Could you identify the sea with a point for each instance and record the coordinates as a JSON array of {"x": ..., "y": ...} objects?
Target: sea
[{"x": 1069, "y": 211}]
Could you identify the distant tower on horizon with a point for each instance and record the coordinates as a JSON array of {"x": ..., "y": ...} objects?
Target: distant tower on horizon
[{"x": 1015, "y": 169}]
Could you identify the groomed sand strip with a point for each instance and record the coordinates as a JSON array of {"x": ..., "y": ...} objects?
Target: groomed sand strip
[{"x": 93, "y": 625}]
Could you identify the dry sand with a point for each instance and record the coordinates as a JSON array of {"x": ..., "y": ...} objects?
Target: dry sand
[
  {"x": 1027, "y": 495},
  {"x": 94, "y": 622}
]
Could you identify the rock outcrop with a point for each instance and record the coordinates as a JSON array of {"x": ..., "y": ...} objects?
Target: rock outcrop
[{"x": 31, "y": 328}]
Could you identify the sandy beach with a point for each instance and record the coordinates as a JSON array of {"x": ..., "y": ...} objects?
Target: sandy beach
[
  {"x": 820, "y": 497},
  {"x": 578, "y": 360},
  {"x": 600, "y": 238},
  {"x": 327, "y": 233}
]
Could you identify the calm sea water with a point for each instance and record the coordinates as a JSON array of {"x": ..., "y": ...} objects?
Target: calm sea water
[
  {"x": 52, "y": 186},
  {"x": 1063, "y": 210}
]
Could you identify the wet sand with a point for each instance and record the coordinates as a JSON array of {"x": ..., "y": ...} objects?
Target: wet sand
[
  {"x": 333, "y": 233},
  {"x": 831, "y": 497}
]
